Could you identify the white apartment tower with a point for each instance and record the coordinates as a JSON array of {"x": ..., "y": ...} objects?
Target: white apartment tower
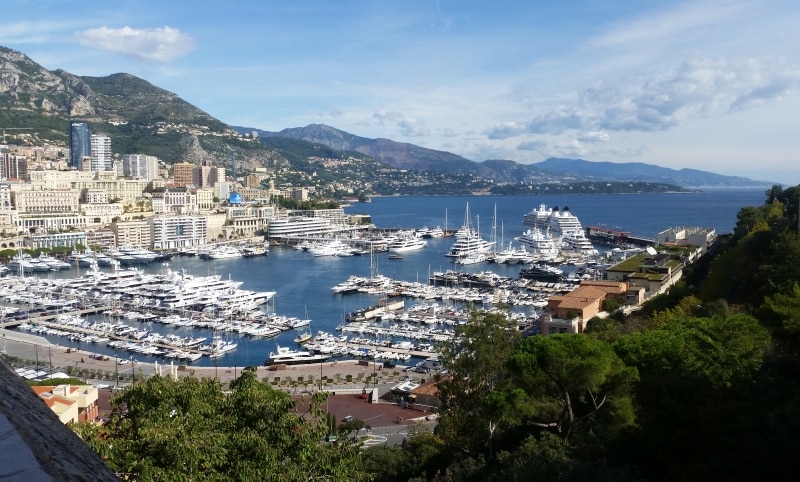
[
  {"x": 140, "y": 166},
  {"x": 100, "y": 148}
]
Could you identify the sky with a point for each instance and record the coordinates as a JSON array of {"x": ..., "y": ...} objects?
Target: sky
[{"x": 702, "y": 84}]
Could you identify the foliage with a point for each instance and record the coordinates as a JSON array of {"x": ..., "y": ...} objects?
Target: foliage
[
  {"x": 190, "y": 429},
  {"x": 476, "y": 393},
  {"x": 56, "y": 381},
  {"x": 573, "y": 379}
]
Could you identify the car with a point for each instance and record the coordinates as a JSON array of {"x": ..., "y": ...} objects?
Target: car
[
  {"x": 348, "y": 418},
  {"x": 389, "y": 364},
  {"x": 422, "y": 369}
]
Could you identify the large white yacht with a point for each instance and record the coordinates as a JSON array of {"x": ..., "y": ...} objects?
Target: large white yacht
[
  {"x": 404, "y": 243},
  {"x": 469, "y": 241},
  {"x": 286, "y": 356},
  {"x": 539, "y": 242}
]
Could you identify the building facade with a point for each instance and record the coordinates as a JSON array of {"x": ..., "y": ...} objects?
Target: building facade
[
  {"x": 100, "y": 152},
  {"x": 79, "y": 145},
  {"x": 140, "y": 166},
  {"x": 178, "y": 232}
]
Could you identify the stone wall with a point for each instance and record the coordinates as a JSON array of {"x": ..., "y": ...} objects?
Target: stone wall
[{"x": 49, "y": 450}]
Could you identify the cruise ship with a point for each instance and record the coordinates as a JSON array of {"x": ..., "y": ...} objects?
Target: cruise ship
[
  {"x": 563, "y": 226},
  {"x": 540, "y": 243}
]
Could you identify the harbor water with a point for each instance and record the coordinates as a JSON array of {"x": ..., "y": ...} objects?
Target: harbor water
[{"x": 303, "y": 283}]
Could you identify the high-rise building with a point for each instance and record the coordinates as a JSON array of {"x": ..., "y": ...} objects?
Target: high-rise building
[
  {"x": 79, "y": 145},
  {"x": 140, "y": 166},
  {"x": 100, "y": 150}
]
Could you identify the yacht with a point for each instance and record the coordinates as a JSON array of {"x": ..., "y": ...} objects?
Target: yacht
[
  {"x": 473, "y": 258},
  {"x": 469, "y": 241},
  {"x": 426, "y": 232},
  {"x": 222, "y": 251},
  {"x": 133, "y": 255},
  {"x": 402, "y": 244},
  {"x": 539, "y": 242},
  {"x": 470, "y": 244},
  {"x": 287, "y": 356},
  {"x": 541, "y": 272}
]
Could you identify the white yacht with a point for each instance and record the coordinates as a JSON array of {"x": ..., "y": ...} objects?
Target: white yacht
[
  {"x": 402, "y": 244},
  {"x": 223, "y": 251},
  {"x": 287, "y": 356},
  {"x": 539, "y": 242},
  {"x": 468, "y": 241}
]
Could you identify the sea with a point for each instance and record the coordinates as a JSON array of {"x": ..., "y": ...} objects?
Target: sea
[{"x": 303, "y": 283}]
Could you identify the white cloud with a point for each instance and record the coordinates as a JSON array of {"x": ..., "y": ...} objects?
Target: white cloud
[
  {"x": 158, "y": 45},
  {"x": 409, "y": 126},
  {"x": 593, "y": 137},
  {"x": 698, "y": 88}
]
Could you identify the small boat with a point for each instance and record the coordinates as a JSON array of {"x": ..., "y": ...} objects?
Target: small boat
[{"x": 395, "y": 256}]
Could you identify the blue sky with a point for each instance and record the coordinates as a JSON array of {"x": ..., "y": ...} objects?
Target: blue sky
[{"x": 710, "y": 85}]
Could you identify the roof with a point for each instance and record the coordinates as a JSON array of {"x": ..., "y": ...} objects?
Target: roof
[{"x": 428, "y": 389}]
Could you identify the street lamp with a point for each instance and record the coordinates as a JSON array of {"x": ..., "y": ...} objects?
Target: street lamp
[{"x": 133, "y": 374}]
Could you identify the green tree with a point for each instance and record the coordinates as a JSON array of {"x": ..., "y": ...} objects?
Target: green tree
[
  {"x": 190, "y": 429},
  {"x": 475, "y": 393},
  {"x": 573, "y": 379}
]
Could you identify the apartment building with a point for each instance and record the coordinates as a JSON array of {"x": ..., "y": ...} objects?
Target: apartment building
[{"x": 178, "y": 232}]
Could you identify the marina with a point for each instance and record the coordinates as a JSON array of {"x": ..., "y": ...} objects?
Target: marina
[{"x": 437, "y": 293}]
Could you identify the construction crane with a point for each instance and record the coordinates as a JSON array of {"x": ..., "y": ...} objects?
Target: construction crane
[{"x": 13, "y": 129}]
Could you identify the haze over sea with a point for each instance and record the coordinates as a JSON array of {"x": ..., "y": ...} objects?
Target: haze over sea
[{"x": 303, "y": 283}]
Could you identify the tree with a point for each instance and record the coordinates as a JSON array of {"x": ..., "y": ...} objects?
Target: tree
[
  {"x": 571, "y": 378},
  {"x": 474, "y": 395},
  {"x": 190, "y": 429}
]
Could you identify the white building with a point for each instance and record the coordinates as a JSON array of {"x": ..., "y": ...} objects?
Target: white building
[
  {"x": 100, "y": 150},
  {"x": 140, "y": 166},
  {"x": 702, "y": 238},
  {"x": 178, "y": 232}
]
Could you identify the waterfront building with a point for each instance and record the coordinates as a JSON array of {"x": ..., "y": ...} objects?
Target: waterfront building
[
  {"x": 140, "y": 166},
  {"x": 79, "y": 145},
  {"x": 53, "y": 240},
  {"x": 295, "y": 227},
  {"x": 101, "y": 238},
  {"x": 100, "y": 152},
  {"x": 335, "y": 216},
  {"x": 178, "y": 232},
  {"x": 649, "y": 270},
  {"x": 569, "y": 313},
  {"x": 133, "y": 233}
]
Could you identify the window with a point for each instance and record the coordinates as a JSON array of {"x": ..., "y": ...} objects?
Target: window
[{"x": 179, "y": 230}]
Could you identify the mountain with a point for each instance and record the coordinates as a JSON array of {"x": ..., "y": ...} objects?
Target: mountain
[
  {"x": 138, "y": 116},
  {"x": 553, "y": 170},
  {"x": 641, "y": 172}
]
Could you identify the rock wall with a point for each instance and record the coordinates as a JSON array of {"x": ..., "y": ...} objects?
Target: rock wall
[{"x": 58, "y": 451}]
